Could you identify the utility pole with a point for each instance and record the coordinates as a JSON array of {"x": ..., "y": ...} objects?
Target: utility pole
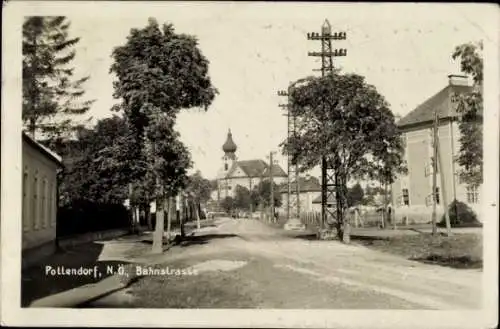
[
  {"x": 443, "y": 187},
  {"x": 271, "y": 202},
  {"x": 434, "y": 171},
  {"x": 329, "y": 178},
  {"x": 293, "y": 169}
]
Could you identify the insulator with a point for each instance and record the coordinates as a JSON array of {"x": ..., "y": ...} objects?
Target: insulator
[{"x": 335, "y": 36}]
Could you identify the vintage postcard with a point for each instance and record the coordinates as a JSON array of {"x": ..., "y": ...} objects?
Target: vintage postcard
[{"x": 253, "y": 164}]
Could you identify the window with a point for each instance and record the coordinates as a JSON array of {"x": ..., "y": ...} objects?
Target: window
[
  {"x": 436, "y": 195},
  {"x": 49, "y": 204},
  {"x": 43, "y": 207},
  {"x": 225, "y": 166},
  {"x": 53, "y": 191},
  {"x": 472, "y": 194},
  {"x": 34, "y": 205},
  {"x": 25, "y": 201},
  {"x": 406, "y": 197}
]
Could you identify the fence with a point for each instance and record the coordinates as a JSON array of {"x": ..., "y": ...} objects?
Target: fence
[{"x": 367, "y": 218}]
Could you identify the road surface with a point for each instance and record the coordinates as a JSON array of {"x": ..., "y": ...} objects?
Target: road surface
[{"x": 243, "y": 263}]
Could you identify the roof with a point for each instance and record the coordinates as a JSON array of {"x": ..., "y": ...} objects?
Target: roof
[
  {"x": 277, "y": 171},
  {"x": 310, "y": 184},
  {"x": 424, "y": 113},
  {"x": 51, "y": 155},
  {"x": 256, "y": 168},
  {"x": 251, "y": 168}
]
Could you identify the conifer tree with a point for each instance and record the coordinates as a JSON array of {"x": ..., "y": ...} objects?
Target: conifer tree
[{"x": 50, "y": 92}]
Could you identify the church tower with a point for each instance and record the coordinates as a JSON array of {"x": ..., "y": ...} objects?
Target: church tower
[{"x": 229, "y": 149}]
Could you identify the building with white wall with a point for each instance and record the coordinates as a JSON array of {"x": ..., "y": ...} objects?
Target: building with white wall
[
  {"x": 412, "y": 193},
  {"x": 309, "y": 190},
  {"x": 39, "y": 199},
  {"x": 246, "y": 173}
]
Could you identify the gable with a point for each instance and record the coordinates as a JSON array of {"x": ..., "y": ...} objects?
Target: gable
[
  {"x": 236, "y": 171},
  {"x": 440, "y": 102},
  {"x": 44, "y": 151}
]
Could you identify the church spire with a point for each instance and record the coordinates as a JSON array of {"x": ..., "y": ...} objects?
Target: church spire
[{"x": 229, "y": 146}]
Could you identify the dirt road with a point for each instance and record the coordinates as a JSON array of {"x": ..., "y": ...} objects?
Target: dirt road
[{"x": 246, "y": 264}]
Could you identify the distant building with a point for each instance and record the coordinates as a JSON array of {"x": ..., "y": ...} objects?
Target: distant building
[
  {"x": 309, "y": 190},
  {"x": 412, "y": 193},
  {"x": 246, "y": 173},
  {"x": 39, "y": 200}
]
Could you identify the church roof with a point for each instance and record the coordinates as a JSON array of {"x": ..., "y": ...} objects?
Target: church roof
[
  {"x": 277, "y": 171},
  {"x": 252, "y": 168},
  {"x": 256, "y": 168}
]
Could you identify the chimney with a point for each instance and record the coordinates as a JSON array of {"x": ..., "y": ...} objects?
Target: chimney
[{"x": 458, "y": 80}]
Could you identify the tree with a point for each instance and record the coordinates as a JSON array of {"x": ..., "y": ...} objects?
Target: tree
[
  {"x": 261, "y": 194},
  {"x": 345, "y": 120},
  {"x": 200, "y": 189},
  {"x": 160, "y": 70},
  {"x": 159, "y": 73},
  {"x": 199, "y": 186},
  {"x": 242, "y": 199},
  {"x": 49, "y": 91},
  {"x": 355, "y": 195},
  {"x": 470, "y": 108},
  {"x": 99, "y": 167},
  {"x": 228, "y": 204}
]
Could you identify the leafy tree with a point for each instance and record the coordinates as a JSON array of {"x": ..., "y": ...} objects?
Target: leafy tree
[
  {"x": 170, "y": 157},
  {"x": 213, "y": 184},
  {"x": 345, "y": 120},
  {"x": 49, "y": 90},
  {"x": 470, "y": 108},
  {"x": 355, "y": 195},
  {"x": 242, "y": 199},
  {"x": 227, "y": 204},
  {"x": 160, "y": 70},
  {"x": 159, "y": 73},
  {"x": 98, "y": 169},
  {"x": 261, "y": 194},
  {"x": 199, "y": 186}
]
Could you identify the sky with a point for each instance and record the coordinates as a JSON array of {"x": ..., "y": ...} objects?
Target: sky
[{"x": 254, "y": 50}]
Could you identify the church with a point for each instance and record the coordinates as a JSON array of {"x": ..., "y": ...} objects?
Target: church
[{"x": 246, "y": 173}]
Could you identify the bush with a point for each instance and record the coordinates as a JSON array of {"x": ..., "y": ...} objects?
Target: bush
[
  {"x": 82, "y": 216},
  {"x": 461, "y": 215}
]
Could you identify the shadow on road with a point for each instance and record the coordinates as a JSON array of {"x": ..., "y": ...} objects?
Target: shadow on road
[
  {"x": 203, "y": 239},
  {"x": 305, "y": 236}
]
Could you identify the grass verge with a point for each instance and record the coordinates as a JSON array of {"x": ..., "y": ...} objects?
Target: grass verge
[{"x": 457, "y": 251}]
